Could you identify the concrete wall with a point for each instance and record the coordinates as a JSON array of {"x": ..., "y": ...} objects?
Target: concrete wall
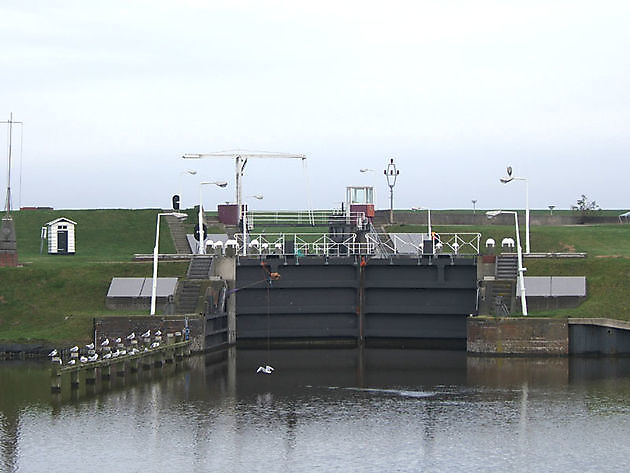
[
  {"x": 117, "y": 326},
  {"x": 518, "y": 336},
  {"x": 599, "y": 337}
]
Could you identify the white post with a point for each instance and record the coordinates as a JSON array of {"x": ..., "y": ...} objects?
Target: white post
[
  {"x": 429, "y": 220},
  {"x": 521, "y": 270},
  {"x": 244, "y": 231},
  {"x": 202, "y": 235},
  {"x": 526, "y": 216},
  {"x": 155, "y": 265}
]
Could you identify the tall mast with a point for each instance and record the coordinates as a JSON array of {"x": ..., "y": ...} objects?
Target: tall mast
[{"x": 7, "y": 206}]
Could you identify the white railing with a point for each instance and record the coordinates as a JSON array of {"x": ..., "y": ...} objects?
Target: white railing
[
  {"x": 305, "y": 217},
  {"x": 376, "y": 244}
]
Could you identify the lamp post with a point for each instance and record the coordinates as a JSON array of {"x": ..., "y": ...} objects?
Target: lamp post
[
  {"x": 521, "y": 269},
  {"x": 474, "y": 202},
  {"x": 155, "y": 255},
  {"x": 510, "y": 178},
  {"x": 258, "y": 197},
  {"x": 202, "y": 233},
  {"x": 428, "y": 216},
  {"x": 391, "y": 173}
]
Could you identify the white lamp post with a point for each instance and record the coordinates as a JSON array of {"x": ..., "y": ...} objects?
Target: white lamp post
[
  {"x": 202, "y": 234},
  {"x": 258, "y": 197},
  {"x": 521, "y": 269},
  {"x": 428, "y": 216},
  {"x": 155, "y": 255},
  {"x": 511, "y": 178}
]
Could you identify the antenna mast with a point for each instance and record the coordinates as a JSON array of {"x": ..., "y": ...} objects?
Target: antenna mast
[{"x": 8, "y": 201}]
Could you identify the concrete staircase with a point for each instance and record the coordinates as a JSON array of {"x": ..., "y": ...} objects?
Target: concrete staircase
[
  {"x": 187, "y": 298},
  {"x": 502, "y": 295},
  {"x": 178, "y": 233},
  {"x": 506, "y": 267},
  {"x": 200, "y": 267}
]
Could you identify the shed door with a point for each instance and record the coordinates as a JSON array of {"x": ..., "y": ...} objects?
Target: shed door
[{"x": 62, "y": 241}]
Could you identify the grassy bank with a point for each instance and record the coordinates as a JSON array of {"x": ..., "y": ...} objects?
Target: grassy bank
[{"x": 54, "y": 297}]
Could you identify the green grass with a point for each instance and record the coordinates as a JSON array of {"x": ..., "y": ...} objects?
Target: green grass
[{"x": 54, "y": 297}]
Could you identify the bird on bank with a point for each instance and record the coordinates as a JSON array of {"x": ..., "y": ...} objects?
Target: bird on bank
[
  {"x": 158, "y": 333},
  {"x": 83, "y": 359},
  {"x": 105, "y": 342},
  {"x": 115, "y": 354},
  {"x": 146, "y": 334},
  {"x": 90, "y": 346},
  {"x": 107, "y": 356},
  {"x": 118, "y": 340},
  {"x": 74, "y": 349},
  {"x": 53, "y": 353},
  {"x": 93, "y": 357},
  {"x": 57, "y": 360},
  {"x": 154, "y": 345},
  {"x": 265, "y": 369},
  {"x": 131, "y": 336},
  {"x": 72, "y": 362}
]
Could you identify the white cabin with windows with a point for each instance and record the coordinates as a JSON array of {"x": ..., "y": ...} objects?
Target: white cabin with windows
[{"x": 60, "y": 234}]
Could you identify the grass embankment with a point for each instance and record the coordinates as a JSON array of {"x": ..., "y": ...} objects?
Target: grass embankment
[
  {"x": 54, "y": 297},
  {"x": 606, "y": 267}
]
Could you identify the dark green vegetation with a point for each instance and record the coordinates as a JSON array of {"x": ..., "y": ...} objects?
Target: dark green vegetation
[{"x": 54, "y": 297}]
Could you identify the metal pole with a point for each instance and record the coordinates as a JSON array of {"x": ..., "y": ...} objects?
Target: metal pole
[
  {"x": 429, "y": 220},
  {"x": 155, "y": 265},
  {"x": 521, "y": 270},
  {"x": 244, "y": 216},
  {"x": 391, "y": 204},
  {"x": 202, "y": 235},
  {"x": 526, "y": 216}
]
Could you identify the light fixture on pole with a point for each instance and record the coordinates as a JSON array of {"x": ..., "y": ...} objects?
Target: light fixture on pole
[
  {"x": 258, "y": 197},
  {"x": 474, "y": 202},
  {"x": 155, "y": 254},
  {"x": 521, "y": 269},
  {"x": 510, "y": 178},
  {"x": 201, "y": 231},
  {"x": 428, "y": 217},
  {"x": 551, "y": 207},
  {"x": 364, "y": 170},
  {"x": 391, "y": 173}
]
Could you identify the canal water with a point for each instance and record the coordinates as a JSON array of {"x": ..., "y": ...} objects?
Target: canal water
[{"x": 351, "y": 410}]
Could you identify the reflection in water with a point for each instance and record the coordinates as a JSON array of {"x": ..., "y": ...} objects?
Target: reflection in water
[{"x": 350, "y": 409}]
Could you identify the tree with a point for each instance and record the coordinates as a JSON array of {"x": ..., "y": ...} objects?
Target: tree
[{"x": 585, "y": 208}]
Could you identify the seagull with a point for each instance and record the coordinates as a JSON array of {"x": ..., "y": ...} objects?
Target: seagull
[
  {"x": 146, "y": 334},
  {"x": 74, "y": 349},
  {"x": 123, "y": 352},
  {"x": 107, "y": 356},
  {"x": 90, "y": 346},
  {"x": 154, "y": 345},
  {"x": 57, "y": 360},
  {"x": 158, "y": 333},
  {"x": 83, "y": 359},
  {"x": 265, "y": 369},
  {"x": 94, "y": 357},
  {"x": 118, "y": 340},
  {"x": 53, "y": 353},
  {"x": 116, "y": 353},
  {"x": 131, "y": 336},
  {"x": 105, "y": 342},
  {"x": 72, "y": 362}
]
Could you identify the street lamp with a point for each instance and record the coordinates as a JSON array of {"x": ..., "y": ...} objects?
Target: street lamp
[
  {"x": 428, "y": 216},
  {"x": 551, "y": 207},
  {"x": 474, "y": 202},
  {"x": 510, "y": 178},
  {"x": 155, "y": 254},
  {"x": 521, "y": 270},
  {"x": 256, "y": 196},
  {"x": 364, "y": 170},
  {"x": 202, "y": 233},
  {"x": 391, "y": 173}
]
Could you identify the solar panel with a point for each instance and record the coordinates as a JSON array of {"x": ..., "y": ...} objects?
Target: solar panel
[
  {"x": 165, "y": 287},
  {"x": 125, "y": 287}
]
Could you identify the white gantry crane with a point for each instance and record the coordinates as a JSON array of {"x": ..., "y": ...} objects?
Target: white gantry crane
[{"x": 240, "y": 157}]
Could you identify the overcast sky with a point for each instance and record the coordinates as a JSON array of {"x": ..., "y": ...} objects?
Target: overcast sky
[{"x": 113, "y": 93}]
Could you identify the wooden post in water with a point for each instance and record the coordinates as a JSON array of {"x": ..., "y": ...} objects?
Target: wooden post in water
[
  {"x": 55, "y": 378},
  {"x": 74, "y": 379},
  {"x": 90, "y": 376}
]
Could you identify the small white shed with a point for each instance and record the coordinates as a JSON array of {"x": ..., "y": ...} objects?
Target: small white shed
[{"x": 60, "y": 233}]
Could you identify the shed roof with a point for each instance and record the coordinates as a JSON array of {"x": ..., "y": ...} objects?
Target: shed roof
[{"x": 61, "y": 219}]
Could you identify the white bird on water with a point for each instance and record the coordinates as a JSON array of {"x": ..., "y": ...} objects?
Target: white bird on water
[{"x": 265, "y": 369}]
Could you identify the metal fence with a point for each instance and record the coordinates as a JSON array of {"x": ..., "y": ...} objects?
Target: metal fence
[
  {"x": 375, "y": 244},
  {"x": 306, "y": 217}
]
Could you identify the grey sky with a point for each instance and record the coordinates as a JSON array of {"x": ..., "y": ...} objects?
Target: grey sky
[{"x": 112, "y": 93}]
